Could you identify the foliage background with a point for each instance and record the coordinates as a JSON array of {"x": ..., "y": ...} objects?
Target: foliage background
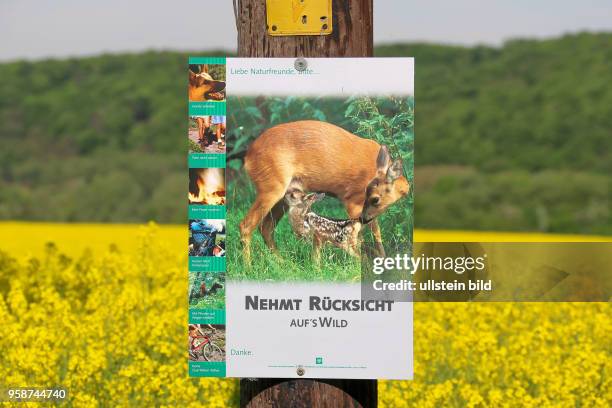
[
  {"x": 214, "y": 300},
  {"x": 217, "y": 71},
  {"x": 512, "y": 138}
]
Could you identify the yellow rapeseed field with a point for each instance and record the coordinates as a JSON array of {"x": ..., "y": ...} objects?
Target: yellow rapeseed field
[{"x": 104, "y": 323}]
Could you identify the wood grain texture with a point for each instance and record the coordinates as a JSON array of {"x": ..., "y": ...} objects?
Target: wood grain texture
[
  {"x": 352, "y": 34},
  {"x": 319, "y": 393}
]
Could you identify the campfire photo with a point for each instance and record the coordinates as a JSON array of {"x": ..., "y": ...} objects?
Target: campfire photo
[{"x": 207, "y": 186}]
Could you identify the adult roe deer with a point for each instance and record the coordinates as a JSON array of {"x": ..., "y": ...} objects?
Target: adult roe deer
[{"x": 325, "y": 158}]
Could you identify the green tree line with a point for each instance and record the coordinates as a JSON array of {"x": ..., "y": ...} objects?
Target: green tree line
[{"x": 513, "y": 138}]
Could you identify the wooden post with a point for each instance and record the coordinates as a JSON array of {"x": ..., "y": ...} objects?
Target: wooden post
[{"x": 352, "y": 36}]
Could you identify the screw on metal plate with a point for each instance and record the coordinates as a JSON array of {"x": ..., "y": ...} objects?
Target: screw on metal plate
[
  {"x": 299, "y": 17},
  {"x": 300, "y": 64},
  {"x": 300, "y": 371}
]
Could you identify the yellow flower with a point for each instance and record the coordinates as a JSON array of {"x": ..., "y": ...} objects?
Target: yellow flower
[{"x": 110, "y": 326}]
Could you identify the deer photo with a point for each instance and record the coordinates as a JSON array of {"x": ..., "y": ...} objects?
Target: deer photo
[
  {"x": 306, "y": 224},
  {"x": 324, "y": 158}
]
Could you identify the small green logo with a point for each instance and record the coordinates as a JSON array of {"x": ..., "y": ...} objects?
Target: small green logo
[{"x": 319, "y": 360}]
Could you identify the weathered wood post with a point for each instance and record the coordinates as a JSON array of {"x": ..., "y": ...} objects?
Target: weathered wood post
[{"x": 352, "y": 36}]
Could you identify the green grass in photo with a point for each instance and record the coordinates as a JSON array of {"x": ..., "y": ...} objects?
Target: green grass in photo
[
  {"x": 215, "y": 286},
  {"x": 294, "y": 262}
]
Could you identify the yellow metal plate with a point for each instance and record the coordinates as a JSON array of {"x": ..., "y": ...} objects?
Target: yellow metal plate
[{"x": 299, "y": 17}]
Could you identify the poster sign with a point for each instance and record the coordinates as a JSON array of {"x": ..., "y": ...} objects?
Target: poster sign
[{"x": 299, "y": 184}]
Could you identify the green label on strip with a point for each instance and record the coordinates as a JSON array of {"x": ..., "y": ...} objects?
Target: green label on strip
[
  {"x": 207, "y": 369},
  {"x": 206, "y": 60},
  {"x": 207, "y": 108},
  {"x": 206, "y": 160},
  {"x": 206, "y": 316},
  {"x": 198, "y": 212},
  {"x": 206, "y": 264}
]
